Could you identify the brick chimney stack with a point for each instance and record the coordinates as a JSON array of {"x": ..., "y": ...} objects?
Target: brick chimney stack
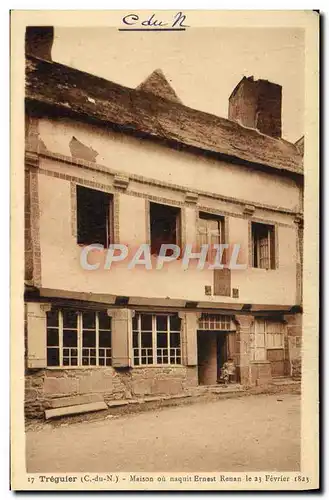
[
  {"x": 39, "y": 41},
  {"x": 257, "y": 104}
]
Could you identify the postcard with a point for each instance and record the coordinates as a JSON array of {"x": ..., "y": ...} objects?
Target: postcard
[{"x": 165, "y": 250}]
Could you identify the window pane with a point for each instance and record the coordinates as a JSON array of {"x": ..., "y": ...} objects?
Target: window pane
[
  {"x": 135, "y": 322},
  {"x": 52, "y": 337},
  {"x": 74, "y": 361},
  {"x": 104, "y": 321},
  {"x": 260, "y": 326},
  {"x": 89, "y": 319},
  {"x": 70, "y": 338},
  {"x": 162, "y": 340},
  {"x": 146, "y": 339},
  {"x": 174, "y": 339},
  {"x": 69, "y": 319},
  {"x": 89, "y": 338},
  {"x": 175, "y": 323},
  {"x": 146, "y": 322},
  {"x": 104, "y": 338},
  {"x": 52, "y": 318},
  {"x": 52, "y": 357},
  {"x": 135, "y": 339},
  {"x": 161, "y": 322}
]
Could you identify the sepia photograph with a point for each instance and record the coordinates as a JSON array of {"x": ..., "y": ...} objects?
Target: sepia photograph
[{"x": 165, "y": 321}]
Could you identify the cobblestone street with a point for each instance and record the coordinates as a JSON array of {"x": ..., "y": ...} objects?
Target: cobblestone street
[{"x": 242, "y": 434}]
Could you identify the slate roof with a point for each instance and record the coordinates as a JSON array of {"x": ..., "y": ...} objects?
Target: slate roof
[{"x": 70, "y": 91}]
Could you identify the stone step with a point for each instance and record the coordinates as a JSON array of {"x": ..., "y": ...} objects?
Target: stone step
[
  {"x": 145, "y": 399},
  {"x": 226, "y": 390},
  {"x": 119, "y": 402},
  {"x": 74, "y": 410},
  {"x": 76, "y": 400},
  {"x": 285, "y": 381},
  {"x": 218, "y": 389}
]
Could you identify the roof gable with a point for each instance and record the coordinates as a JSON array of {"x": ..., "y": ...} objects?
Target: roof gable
[{"x": 157, "y": 84}]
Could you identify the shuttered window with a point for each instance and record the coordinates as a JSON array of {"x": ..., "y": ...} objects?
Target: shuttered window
[
  {"x": 211, "y": 232},
  {"x": 263, "y": 242}
]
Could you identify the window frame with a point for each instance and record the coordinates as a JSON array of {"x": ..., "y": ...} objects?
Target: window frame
[
  {"x": 271, "y": 245},
  {"x": 109, "y": 216},
  {"x": 178, "y": 230},
  {"x": 107, "y": 355},
  {"x": 178, "y": 350},
  {"x": 206, "y": 237},
  {"x": 266, "y": 345},
  {"x": 275, "y": 333}
]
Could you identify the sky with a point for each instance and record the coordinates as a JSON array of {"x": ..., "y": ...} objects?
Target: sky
[{"x": 203, "y": 65}]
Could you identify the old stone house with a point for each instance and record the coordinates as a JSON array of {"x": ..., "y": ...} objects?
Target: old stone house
[{"x": 108, "y": 164}]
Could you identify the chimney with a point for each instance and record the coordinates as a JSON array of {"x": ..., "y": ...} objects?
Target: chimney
[
  {"x": 39, "y": 41},
  {"x": 257, "y": 104}
]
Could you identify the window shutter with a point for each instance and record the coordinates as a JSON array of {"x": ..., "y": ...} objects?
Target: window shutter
[
  {"x": 189, "y": 337},
  {"x": 260, "y": 349},
  {"x": 202, "y": 233},
  {"x": 272, "y": 248},
  {"x": 37, "y": 334},
  {"x": 121, "y": 337}
]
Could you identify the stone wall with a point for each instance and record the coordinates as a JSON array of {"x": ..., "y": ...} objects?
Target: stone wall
[
  {"x": 41, "y": 386},
  {"x": 296, "y": 369},
  {"x": 294, "y": 328},
  {"x": 260, "y": 373}
]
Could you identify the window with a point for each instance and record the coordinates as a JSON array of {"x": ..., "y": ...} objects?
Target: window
[
  {"x": 165, "y": 226},
  {"x": 156, "y": 339},
  {"x": 215, "y": 322},
  {"x": 258, "y": 345},
  {"x": 211, "y": 232},
  {"x": 263, "y": 241},
  {"x": 267, "y": 335},
  {"x": 93, "y": 217},
  {"x": 275, "y": 335},
  {"x": 78, "y": 338}
]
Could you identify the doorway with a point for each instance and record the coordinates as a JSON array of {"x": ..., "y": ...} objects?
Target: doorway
[{"x": 212, "y": 354}]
